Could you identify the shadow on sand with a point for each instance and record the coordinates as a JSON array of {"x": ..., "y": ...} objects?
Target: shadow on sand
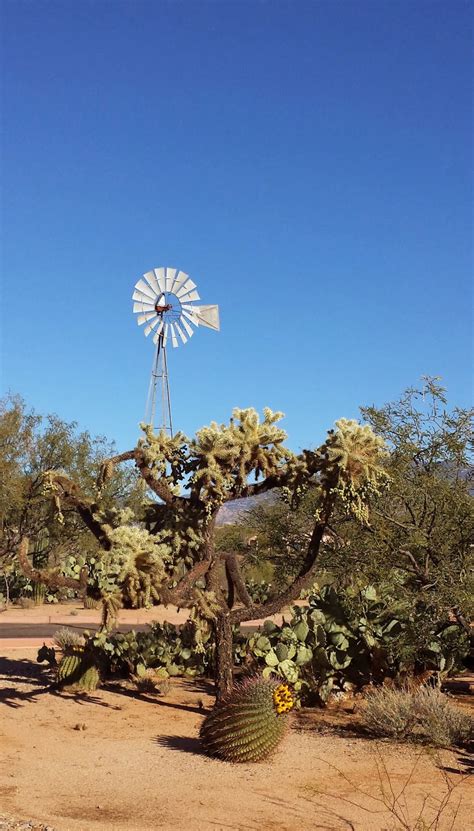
[{"x": 181, "y": 743}]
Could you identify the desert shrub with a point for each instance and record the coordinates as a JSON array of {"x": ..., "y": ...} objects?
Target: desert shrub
[
  {"x": 146, "y": 681},
  {"x": 425, "y": 714},
  {"x": 342, "y": 640},
  {"x": 26, "y": 602},
  {"x": 439, "y": 721},
  {"x": 65, "y": 638},
  {"x": 389, "y": 712}
]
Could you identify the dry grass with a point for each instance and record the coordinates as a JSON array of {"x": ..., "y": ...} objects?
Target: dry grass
[{"x": 425, "y": 714}]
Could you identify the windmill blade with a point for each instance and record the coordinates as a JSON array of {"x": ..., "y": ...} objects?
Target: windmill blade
[
  {"x": 190, "y": 317},
  {"x": 170, "y": 275},
  {"x": 186, "y": 326},
  {"x": 158, "y": 332},
  {"x": 145, "y": 289},
  {"x": 187, "y": 286},
  {"x": 186, "y": 298},
  {"x": 208, "y": 316},
  {"x": 142, "y": 298},
  {"x": 151, "y": 279},
  {"x": 160, "y": 277},
  {"x": 152, "y": 325},
  {"x": 143, "y": 307},
  {"x": 144, "y": 318},
  {"x": 174, "y": 339},
  {"x": 161, "y": 300},
  {"x": 165, "y": 333},
  {"x": 180, "y": 333},
  {"x": 179, "y": 280}
]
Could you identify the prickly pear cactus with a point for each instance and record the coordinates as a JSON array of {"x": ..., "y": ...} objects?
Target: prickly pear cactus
[{"x": 250, "y": 722}]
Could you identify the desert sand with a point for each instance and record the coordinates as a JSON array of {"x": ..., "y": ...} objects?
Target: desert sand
[{"x": 118, "y": 760}]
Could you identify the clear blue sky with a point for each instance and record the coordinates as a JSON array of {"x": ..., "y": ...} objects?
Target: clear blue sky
[{"x": 307, "y": 163}]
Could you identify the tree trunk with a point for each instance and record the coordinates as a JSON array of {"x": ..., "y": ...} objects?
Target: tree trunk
[{"x": 224, "y": 656}]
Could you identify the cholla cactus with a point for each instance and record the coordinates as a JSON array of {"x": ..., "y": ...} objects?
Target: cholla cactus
[
  {"x": 227, "y": 454},
  {"x": 249, "y": 723},
  {"x": 355, "y": 453}
]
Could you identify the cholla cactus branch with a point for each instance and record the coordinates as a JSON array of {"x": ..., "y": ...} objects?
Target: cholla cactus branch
[
  {"x": 70, "y": 495},
  {"x": 235, "y": 576},
  {"x": 48, "y": 576}
]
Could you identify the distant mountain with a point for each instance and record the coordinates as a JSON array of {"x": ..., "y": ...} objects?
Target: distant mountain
[{"x": 235, "y": 511}]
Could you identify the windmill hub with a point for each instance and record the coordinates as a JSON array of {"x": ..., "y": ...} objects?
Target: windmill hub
[{"x": 164, "y": 300}]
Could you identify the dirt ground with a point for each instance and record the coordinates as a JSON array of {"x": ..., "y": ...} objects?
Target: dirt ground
[{"x": 121, "y": 760}]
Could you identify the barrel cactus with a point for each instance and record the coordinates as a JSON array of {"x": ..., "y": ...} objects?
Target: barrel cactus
[
  {"x": 249, "y": 723},
  {"x": 69, "y": 667},
  {"x": 78, "y": 669}
]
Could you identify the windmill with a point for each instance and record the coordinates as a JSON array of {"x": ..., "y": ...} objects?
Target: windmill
[{"x": 164, "y": 300}]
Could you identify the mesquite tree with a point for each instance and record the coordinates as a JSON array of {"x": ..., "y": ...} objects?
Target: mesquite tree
[{"x": 169, "y": 551}]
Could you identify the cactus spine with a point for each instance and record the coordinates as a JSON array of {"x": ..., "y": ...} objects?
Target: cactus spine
[{"x": 249, "y": 723}]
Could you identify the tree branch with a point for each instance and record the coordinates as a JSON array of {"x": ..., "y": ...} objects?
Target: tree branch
[
  {"x": 181, "y": 594},
  {"x": 71, "y": 494},
  {"x": 49, "y": 578},
  {"x": 158, "y": 486},
  {"x": 306, "y": 574},
  {"x": 233, "y": 570}
]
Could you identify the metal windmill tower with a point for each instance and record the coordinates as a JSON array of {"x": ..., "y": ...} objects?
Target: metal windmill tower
[{"x": 164, "y": 300}]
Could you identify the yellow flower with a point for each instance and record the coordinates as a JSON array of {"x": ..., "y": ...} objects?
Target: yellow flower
[{"x": 283, "y": 699}]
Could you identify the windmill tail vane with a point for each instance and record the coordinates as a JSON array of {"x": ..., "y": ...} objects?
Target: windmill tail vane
[{"x": 165, "y": 303}]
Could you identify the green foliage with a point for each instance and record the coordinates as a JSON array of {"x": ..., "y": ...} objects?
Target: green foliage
[
  {"x": 168, "y": 649},
  {"x": 345, "y": 639},
  {"x": 419, "y": 538},
  {"x": 30, "y": 445},
  {"x": 39, "y": 593},
  {"x": 70, "y": 667},
  {"x": 226, "y": 455},
  {"x": 259, "y": 591},
  {"x": 249, "y": 723},
  {"x": 90, "y": 678},
  {"x": 421, "y": 715}
]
